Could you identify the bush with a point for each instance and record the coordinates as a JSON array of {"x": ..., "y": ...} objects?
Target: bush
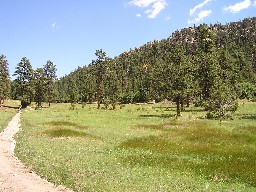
[
  {"x": 141, "y": 97},
  {"x": 24, "y": 103},
  {"x": 127, "y": 98},
  {"x": 221, "y": 109}
]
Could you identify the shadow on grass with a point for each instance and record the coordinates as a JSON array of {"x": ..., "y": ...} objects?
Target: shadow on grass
[
  {"x": 194, "y": 110},
  {"x": 247, "y": 116},
  {"x": 62, "y": 132},
  {"x": 165, "y": 108},
  {"x": 158, "y": 116},
  {"x": 162, "y": 127},
  {"x": 11, "y": 107},
  {"x": 60, "y": 129},
  {"x": 66, "y": 124}
]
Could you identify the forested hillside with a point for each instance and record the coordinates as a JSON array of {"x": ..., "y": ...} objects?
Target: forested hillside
[
  {"x": 211, "y": 66},
  {"x": 208, "y": 66}
]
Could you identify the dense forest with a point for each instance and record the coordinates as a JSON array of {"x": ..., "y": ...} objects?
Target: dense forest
[{"x": 208, "y": 66}]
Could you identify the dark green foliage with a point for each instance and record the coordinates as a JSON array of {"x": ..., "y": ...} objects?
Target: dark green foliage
[
  {"x": 31, "y": 85},
  {"x": 141, "y": 96},
  {"x": 100, "y": 64},
  {"x": 5, "y": 83},
  {"x": 222, "y": 103},
  {"x": 220, "y": 82},
  {"x": 24, "y": 80},
  {"x": 50, "y": 78},
  {"x": 39, "y": 86},
  {"x": 247, "y": 90},
  {"x": 15, "y": 91},
  {"x": 127, "y": 98},
  {"x": 175, "y": 77}
]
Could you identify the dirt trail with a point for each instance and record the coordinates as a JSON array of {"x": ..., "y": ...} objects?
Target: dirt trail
[{"x": 14, "y": 176}]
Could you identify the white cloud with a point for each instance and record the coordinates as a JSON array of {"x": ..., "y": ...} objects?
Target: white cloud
[
  {"x": 254, "y": 4},
  {"x": 148, "y": 11},
  {"x": 53, "y": 25},
  {"x": 197, "y": 15},
  {"x": 153, "y": 7},
  {"x": 138, "y": 15},
  {"x": 167, "y": 18},
  {"x": 239, "y": 6},
  {"x": 199, "y": 6},
  {"x": 201, "y": 15},
  {"x": 157, "y": 8},
  {"x": 142, "y": 3}
]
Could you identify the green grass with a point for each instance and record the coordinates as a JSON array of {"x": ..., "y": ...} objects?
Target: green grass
[
  {"x": 140, "y": 148},
  {"x": 6, "y": 113},
  {"x": 216, "y": 153}
]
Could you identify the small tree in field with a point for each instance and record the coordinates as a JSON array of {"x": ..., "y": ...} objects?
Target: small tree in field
[
  {"x": 24, "y": 80},
  {"x": 50, "y": 77},
  {"x": 222, "y": 102},
  {"x": 111, "y": 85},
  {"x": 174, "y": 76},
  {"x": 39, "y": 85},
  {"x": 100, "y": 67}
]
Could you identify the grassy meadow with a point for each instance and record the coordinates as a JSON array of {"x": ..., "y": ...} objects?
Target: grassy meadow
[
  {"x": 7, "y": 112},
  {"x": 140, "y": 148}
]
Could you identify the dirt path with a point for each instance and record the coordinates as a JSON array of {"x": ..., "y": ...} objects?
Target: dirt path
[{"x": 14, "y": 176}]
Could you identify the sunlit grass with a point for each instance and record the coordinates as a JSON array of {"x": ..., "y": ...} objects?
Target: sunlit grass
[
  {"x": 6, "y": 116},
  {"x": 7, "y": 112},
  {"x": 140, "y": 148},
  {"x": 216, "y": 153}
]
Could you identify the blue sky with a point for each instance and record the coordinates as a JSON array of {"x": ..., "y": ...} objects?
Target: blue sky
[{"x": 68, "y": 32}]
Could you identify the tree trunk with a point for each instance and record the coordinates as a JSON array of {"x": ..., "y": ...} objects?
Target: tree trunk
[
  {"x": 178, "y": 106},
  {"x": 98, "y": 90},
  {"x": 187, "y": 100},
  {"x": 49, "y": 92},
  {"x": 182, "y": 105}
]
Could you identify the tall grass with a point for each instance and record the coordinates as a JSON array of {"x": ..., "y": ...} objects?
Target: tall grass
[{"x": 140, "y": 148}]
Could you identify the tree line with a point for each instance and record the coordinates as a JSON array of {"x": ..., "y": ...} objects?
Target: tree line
[
  {"x": 208, "y": 66},
  {"x": 30, "y": 85}
]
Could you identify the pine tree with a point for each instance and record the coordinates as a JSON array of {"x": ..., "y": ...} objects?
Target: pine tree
[
  {"x": 73, "y": 92},
  {"x": 24, "y": 80},
  {"x": 50, "y": 75},
  {"x": 111, "y": 85},
  {"x": 5, "y": 83},
  {"x": 178, "y": 76},
  {"x": 207, "y": 66},
  {"x": 40, "y": 82},
  {"x": 224, "y": 92},
  {"x": 100, "y": 63}
]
